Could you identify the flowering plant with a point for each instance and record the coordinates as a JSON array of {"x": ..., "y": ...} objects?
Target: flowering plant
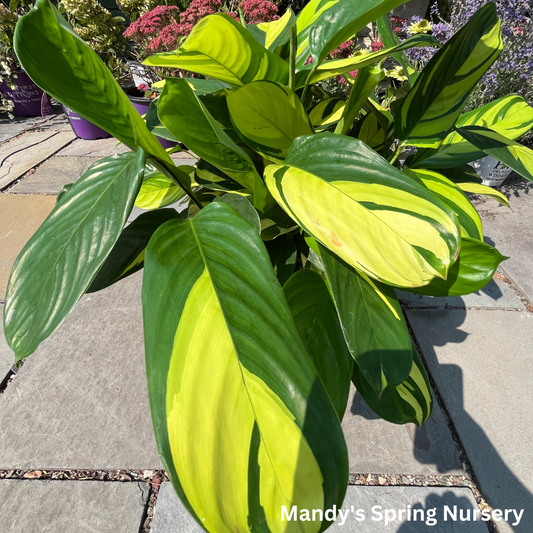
[
  {"x": 133, "y": 9},
  {"x": 160, "y": 29},
  {"x": 511, "y": 73},
  {"x": 9, "y": 64},
  {"x": 100, "y": 30}
]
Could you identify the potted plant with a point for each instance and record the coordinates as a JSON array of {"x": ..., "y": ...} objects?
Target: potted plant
[
  {"x": 17, "y": 91},
  {"x": 248, "y": 379}
]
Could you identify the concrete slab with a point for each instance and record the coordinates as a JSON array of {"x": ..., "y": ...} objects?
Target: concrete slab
[
  {"x": 482, "y": 364},
  {"x": 10, "y": 128},
  {"x": 369, "y": 510},
  {"x": 510, "y": 230},
  {"x": 6, "y": 355},
  {"x": 495, "y": 295},
  {"x": 26, "y": 152},
  {"x": 66, "y": 506},
  {"x": 379, "y": 447},
  {"x": 170, "y": 515},
  {"x": 58, "y": 122},
  {"x": 97, "y": 148},
  {"x": 50, "y": 177},
  {"x": 80, "y": 401},
  {"x": 20, "y": 217}
]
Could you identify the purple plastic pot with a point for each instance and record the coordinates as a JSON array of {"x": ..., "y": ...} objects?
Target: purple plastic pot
[
  {"x": 29, "y": 99},
  {"x": 83, "y": 128},
  {"x": 141, "y": 104}
]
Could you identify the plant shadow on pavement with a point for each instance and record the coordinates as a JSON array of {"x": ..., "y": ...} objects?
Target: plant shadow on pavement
[{"x": 509, "y": 492}]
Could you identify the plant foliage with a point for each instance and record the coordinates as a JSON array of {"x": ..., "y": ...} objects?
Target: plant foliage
[{"x": 274, "y": 288}]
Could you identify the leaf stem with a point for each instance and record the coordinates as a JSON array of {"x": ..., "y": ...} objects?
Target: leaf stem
[
  {"x": 241, "y": 16},
  {"x": 401, "y": 146},
  {"x": 166, "y": 169},
  {"x": 292, "y": 57}
]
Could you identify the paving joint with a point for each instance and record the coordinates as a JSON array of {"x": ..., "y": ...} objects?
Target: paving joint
[
  {"x": 32, "y": 170},
  {"x": 9, "y": 377},
  {"x": 502, "y": 274},
  {"x": 474, "y": 485}
]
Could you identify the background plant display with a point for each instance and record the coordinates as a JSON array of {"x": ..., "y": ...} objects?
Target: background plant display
[
  {"x": 274, "y": 288},
  {"x": 512, "y": 72}
]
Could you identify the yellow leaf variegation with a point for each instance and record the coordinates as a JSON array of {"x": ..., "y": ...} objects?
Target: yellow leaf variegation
[
  {"x": 510, "y": 116},
  {"x": 238, "y": 406},
  {"x": 365, "y": 211},
  {"x": 426, "y": 115},
  {"x": 219, "y": 47}
]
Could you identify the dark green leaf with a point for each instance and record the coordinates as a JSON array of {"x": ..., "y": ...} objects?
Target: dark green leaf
[
  {"x": 127, "y": 256},
  {"x": 372, "y": 322},
  {"x": 243, "y": 206},
  {"x": 316, "y": 318},
  {"x": 410, "y": 402},
  {"x": 474, "y": 268},
  {"x": 59, "y": 262}
]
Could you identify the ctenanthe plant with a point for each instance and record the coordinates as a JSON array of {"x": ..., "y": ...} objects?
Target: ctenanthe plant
[{"x": 274, "y": 288}]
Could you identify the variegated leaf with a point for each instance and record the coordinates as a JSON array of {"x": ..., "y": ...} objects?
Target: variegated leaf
[
  {"x": 242, "y": 420},
  {"x": 428, "y": 112},
  {"x": 366, "y": 211}
]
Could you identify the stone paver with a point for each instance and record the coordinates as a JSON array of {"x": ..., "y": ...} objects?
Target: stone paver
[
  {"x": 20, "y": 217},
  {"x": 22, "y": 154},
  {"x": 97, "y": 148},
  {"x": 10, "y": 128},
  {"x": 71, "y": 506},
  {"x": 372, "y": 511},
  {"x": 510, "y": 230},
  {"x": 6, "y": 355},
  {"x": 50, "y": 177},
  {"x": 170, "y": 514},
  {"x": 482, "y": 364},
  {"x": 80, "y": 401},
  {"x": 495, "y": 295},
  {"x": 57, "y": 123},
  {"x": 377, "y": 446}
]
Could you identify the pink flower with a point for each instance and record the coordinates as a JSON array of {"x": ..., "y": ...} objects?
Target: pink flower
[
  {"x": 257, "y": 11},
  {"x": 376, "y": 45}
]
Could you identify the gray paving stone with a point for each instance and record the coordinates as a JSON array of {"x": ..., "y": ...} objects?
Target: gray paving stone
[
  {"x": 510, "y": 230},
  {"x": 482, "y": 364},
  {"x": 377, "y": 446},
  {"x": 170, "y": 515},
  {"x": 20, "y": 155},
  {"x": 96, "y": 148},
  {"x": 50, "y": 177},
  {"x": 496, "y": 294},
  {"x": 57, "y": 122},
  {"x": 10, "y": 128},
  {"x": 71, "y": 506},
  {"x": 375, "y": 505},
  {"x": 6, "y": 355},
  {"x": 80, "y": 401}
]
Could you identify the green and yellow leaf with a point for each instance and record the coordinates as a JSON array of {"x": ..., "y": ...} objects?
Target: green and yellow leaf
[
  {"x": 242, "y": 420},
  {"x": 510, "y": 116},
  {"x": 474, "y": 268},
  {"x": 509, "y": 152},
  {"x": 409, "y": 402},
  {"x": 220, "y": 48},
  {"x": 451, "y": 194},
  {"x": 268, "y": 117},
  {"x": 365, "y": 210},
  {"x": 478, "y": 188},
  {"x": 47, "y": 280},
  {"x": 426, "y": 115}
]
